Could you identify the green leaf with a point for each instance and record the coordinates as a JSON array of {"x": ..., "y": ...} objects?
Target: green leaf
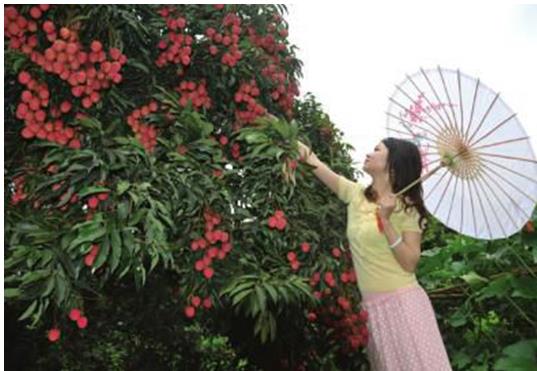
[
  {"x": 275, "y": 152},
  {"x": 29, "y": 311},
  {"x": 123, "y": 210},
  {"x": 134, "y": 197},
  {"x": 89, "y": 233},
  {"x": 138, "y": 216},
  {"x": 525, "y": 287},
  {"x": 272, "y": 292},
  {"x": 74, "y": 168},
  {"x": 253, "y": 306},
  {"x": 242, "y": 286},
  {"x": 67, "y": 263},
  {"x": 521, "y": 356},
  {"x": 515, "y": 364},
  {"x": 50, "y": 286},
  {"x": 11, "y": 293},
  {"x": 522, "y": 349},
  {"x": 258, "y": 149},
  {"x": 115, "y": 239},
  {"x": 20, "y": 253},
  {"x": 61, "y": 289},
  {"x": 256, "y": 137},
  {"x": 36, "y": 275},
  {"x": 496, "y": 288},
  {"x": 90, "y": 123},
  {"x": 460, "y": 359},
  {"x": 124, "y": 271},
  {"x": 472, "y": 278},
  {"x": 240, "y": 296},
  {"x": 102, "y": 256},
  {"x": 301, "y": 287},
  {"x": 18, "y": 62},
  {"x": 261, "y": 298},
  {"x": 25, "y": 227},
  {"x": 89, "y": 190},
  {"x": 66, "y": 197},
  {"x": 122, "y": 186},
  {"x": 459, "y": 318},
  {"x": 282, "y": 128},
  {"x": 142, "y": 67},
  {"x": 154, "y": 261},
  {"x": 283, "y": 291},
  {"x": 84, "y": 224}
]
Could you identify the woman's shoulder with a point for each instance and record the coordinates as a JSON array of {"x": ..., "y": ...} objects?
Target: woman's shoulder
[
  {"x": 348, "y": 190},
  {"x": 406, "y": 206}
]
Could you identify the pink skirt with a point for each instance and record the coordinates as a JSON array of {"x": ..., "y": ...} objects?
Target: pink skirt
[{"x": 403, "y": 332}]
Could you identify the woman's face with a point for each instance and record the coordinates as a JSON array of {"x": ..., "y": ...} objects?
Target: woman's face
[{"x": 376, "y": 161}]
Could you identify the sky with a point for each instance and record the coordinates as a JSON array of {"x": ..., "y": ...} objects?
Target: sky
[{"x": 354, "y": 55}]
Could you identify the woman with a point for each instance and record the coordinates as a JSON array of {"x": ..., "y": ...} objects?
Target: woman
[{"x": 384, "y": 233}]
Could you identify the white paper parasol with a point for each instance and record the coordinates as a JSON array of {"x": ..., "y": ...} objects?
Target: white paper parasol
[{"x": 479, "y": 170}]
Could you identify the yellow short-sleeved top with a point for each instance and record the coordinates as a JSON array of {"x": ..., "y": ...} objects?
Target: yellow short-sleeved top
[{"x": 374, "y": 262}]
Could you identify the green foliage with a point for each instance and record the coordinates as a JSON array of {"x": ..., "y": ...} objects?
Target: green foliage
[
  {"x": 484, "y": 293},
  {"x": 265, "y": 296},
  {"x": 142, "y": 200},
  {"x": 521, "y": 356}
]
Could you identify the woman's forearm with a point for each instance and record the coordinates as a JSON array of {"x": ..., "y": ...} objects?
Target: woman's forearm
[
  {"x": 404, "y": 254},
  {"x": 321, "y": 171}
]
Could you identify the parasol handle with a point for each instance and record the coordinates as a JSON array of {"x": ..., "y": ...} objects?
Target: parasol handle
[
  {"x": 447, "y": 160},
  {"x": 423, "y": 178}
]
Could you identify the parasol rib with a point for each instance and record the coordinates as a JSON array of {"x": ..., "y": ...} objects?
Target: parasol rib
[
  {"x": 500, "y": 143},
  {"x": 460, "y": 100},
  {"x": 492, "y": 130},
  {"x": 484, "y": 116},
  {"x": 473, "y": 209},
  {"x": 426, "y": 112},
  {"x": 438, "y": 132},
  {"x": 511, "y": 184},
  {"x": 472, "y": 181},
  {"x": 452, "y": 199},
  {"x": 421, "y": 128},
  {"x": 471, "y": 113},
  {"x": 526, "y": 216},
  {"x": 482, "y": 185},
  {"x": 454, "y": 130},
  {"x": 449, "y": 98},
  {"x": 510, "y": 170},
  {"x": 443, "y": 193},
  {"x": 507, "y": 157},
  {"x": 444, "y": 125}
]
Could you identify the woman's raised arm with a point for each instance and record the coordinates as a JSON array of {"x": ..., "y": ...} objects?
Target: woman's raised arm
[{"x": 322, "y": 171}]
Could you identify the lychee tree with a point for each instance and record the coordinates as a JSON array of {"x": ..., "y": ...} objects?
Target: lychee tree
[{"x": 138, "y": 141}]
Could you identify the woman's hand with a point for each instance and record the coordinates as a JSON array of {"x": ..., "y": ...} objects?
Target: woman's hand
[
  {"x": 304, "y": 151},
  {"x": 386, "y": 206},
  {"x": 270, "y": 116}
]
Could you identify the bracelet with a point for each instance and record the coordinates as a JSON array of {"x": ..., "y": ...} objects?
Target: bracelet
[{"x": 399, "y": 240}]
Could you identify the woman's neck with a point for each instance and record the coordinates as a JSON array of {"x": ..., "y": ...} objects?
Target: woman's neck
[{"x": 381, "y": 186}]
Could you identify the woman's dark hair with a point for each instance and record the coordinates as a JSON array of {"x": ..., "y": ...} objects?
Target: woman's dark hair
[{"x": 404, "y": 166}]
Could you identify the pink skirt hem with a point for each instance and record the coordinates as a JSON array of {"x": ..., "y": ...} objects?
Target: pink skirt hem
[{"x": 403, "y": 331}]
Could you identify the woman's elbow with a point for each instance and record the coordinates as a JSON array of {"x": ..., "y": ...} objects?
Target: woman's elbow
[
  {"x": 411, "y": 268},
  {"x": 410, "y": 265}
]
